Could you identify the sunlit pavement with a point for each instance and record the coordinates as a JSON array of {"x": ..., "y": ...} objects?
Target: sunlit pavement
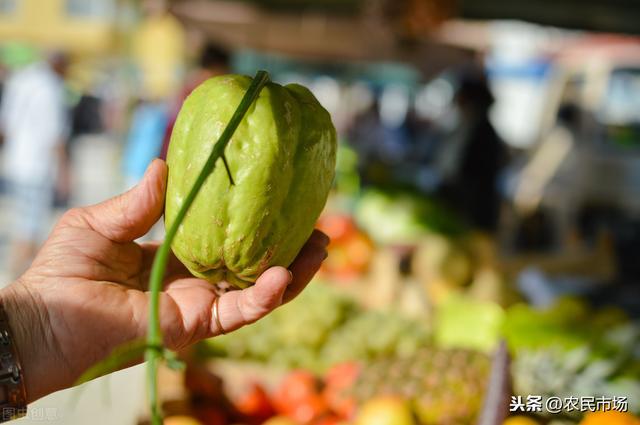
[
  {"x": 114, "y": 399},
  {"x": 118, "y": 398}
]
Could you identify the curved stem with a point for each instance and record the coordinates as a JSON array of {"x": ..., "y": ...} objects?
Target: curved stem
[{"x": 154, "y": 335}]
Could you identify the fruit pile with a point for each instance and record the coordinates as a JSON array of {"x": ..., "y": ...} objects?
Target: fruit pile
[
  {"x": 350, "y": 250},
  {"x": 398, "y": 216},
  {"x": 442, "y": 386},
  {"x": 592, "y": 418},
  {"x": 433, "y": 386},
  {"x": 320, "y": 328},
  {"x": 436, "y": 369},
  {"x": 569, "y": 349}
]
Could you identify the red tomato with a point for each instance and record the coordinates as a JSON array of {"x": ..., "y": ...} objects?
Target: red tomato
[
  {"x": 296, "y": 386},
  {"x": 298, "y": 397},
  {"x": 350, "y": 250},
  {"x": 339, "y": 379},
  {"x": 308, "y": 409},
  {"x": 255, "y": 405},
  {"x": 337, "y": 226}
]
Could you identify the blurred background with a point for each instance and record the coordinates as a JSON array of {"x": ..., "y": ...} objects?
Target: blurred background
[{"x": 487, "y": 195}]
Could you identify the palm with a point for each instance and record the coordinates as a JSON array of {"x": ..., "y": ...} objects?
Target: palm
[{"x": 89, "y": 283}]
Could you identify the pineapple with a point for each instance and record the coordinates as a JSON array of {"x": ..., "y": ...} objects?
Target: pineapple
[{"x": 443, "y": 386}]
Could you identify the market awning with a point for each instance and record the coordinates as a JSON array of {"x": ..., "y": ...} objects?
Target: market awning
[
  {"x": 315, "y": 35},
  {"x": 594, "y": 15}
]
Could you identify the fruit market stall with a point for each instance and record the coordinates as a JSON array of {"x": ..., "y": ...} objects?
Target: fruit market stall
[
  {"x": 403, "y": 326},
  {"x": 326, "y": 359},
  {"x": 419, "y": 315}
]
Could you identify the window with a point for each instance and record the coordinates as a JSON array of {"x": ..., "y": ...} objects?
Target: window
[
  {"x": 101, "y": 9},
  {"x": 8, "y": 7}
]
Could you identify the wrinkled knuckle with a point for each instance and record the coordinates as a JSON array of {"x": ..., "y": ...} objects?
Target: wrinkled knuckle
[
  {"x": 72, "y": 217},
  {"x": 259, "y": 307},
  {"x": 244, "y": 310}
]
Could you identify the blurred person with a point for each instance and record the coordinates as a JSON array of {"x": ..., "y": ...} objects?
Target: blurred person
[
  {"x": 368, "y": 136},
  {"x": 144, "y": 140},
  {"x": 158, "y": 51},
  {"x": 86, "y": 292},
  {"x": 213, "y": 61},
  {"x": 34, "y": 122},
  {"x": 470, "y": 160}
]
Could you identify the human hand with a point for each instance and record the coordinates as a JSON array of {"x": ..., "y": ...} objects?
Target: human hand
[{"x": 86, "y": 291}]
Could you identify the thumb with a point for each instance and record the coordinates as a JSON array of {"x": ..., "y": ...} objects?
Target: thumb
[{"x": 130, "y": 215}]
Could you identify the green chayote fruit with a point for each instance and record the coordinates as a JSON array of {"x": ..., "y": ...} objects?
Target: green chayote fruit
[{"x": 282, "y": 160}]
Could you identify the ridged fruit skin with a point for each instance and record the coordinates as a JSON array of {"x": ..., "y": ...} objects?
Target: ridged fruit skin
[{"x": 282, "y": 159}]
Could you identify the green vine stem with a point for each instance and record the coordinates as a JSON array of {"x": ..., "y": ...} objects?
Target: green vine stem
[{"x": 153, "y": 352}]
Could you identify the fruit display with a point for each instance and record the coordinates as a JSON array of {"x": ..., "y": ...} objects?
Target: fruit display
[
  {"x": 520, "y": 420},
  {"x": 402, "y": 217},
  {"x": 465, "y": 322},
  {"x": 385, "y": 411},
  {"x": 578, "y": 372},
  {"x": 443, "y": 386},
  {"x": 568, "y": 323},
  {"x": 347, "y": 182},
  {"x": 258, "y": 209},
  {"x": 332, "y": 362},
  {"x": 350, "y": 250},
  {"x": 432, "y": 386},
  {"x": 570, "y": 350},
  {"x": 610, "y": 418},
  {"x": 463, "y": 265},
  {"x": 371, "y": 334},
  {"x": 320, "y": 328},
  {"x": 254, "y": 405}
]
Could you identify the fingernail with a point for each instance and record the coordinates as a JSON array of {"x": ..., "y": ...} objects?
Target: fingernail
[{"x": 290, "y": 276}]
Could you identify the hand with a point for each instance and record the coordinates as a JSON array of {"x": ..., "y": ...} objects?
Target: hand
[{"x": 85, "y": 292}]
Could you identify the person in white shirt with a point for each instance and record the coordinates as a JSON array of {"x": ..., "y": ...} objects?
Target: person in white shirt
[{"x": 34, "y": 123}]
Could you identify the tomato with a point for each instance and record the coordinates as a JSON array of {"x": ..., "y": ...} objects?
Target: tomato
[
  {"x": 296, "y": 386},
  {"x": 350, "y": 251},
  {"x": 337, "y": 226},
  {"x": 308, "y": 409},
  {"x": 255, "y": 405},
  {"x": 339, "y": 379},
  {"x": 298, "y": 397}
]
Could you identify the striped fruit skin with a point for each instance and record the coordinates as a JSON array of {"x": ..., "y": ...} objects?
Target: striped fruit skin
[{"x": 282, "y": 160}]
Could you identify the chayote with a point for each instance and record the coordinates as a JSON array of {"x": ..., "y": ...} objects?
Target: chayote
[{"x": 282, "y": 160}]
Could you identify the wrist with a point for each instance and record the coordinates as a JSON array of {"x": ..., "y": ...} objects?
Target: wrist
[{"x": 19, "y": 308}]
